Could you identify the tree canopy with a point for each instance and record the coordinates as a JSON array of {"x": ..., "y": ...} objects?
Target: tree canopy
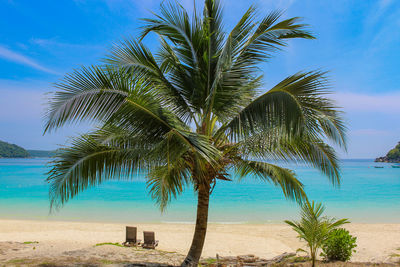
[
  {"x": 394, "y": 154},
  {"x": 193, "y": 110}
]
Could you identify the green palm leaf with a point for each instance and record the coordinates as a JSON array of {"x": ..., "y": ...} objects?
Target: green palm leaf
[
  {"x": 293, "y": 106},
  {"x": 91, "y": 93},
  {"x": 137, "y": 60},
  {"x": 313, "y": 151},
  {"x": 88, "y": 163},
  {"x": 285, "y": 178}
]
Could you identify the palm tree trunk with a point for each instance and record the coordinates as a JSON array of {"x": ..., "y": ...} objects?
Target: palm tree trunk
[
  {"x": 313, "y": 260},
  {"x": 193, "y": 257}
]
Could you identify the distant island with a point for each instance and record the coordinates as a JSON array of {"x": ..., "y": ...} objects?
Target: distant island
[
  {"x": 8, "y": 150},
  {"x": 392, "y": 156}
]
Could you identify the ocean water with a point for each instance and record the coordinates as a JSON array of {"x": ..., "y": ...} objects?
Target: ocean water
[{"x": 366, "y": 194}]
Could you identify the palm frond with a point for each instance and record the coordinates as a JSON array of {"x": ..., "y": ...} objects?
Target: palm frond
[
  {"x": 90, "y": 93},
  {"x": 184, "y": 78},
  {"x": 136, "y": 59},
  {"x": 225, "y": 59},
  {"x": 270, "y": 36},
  {"x": 295, "y": 105},
  {"x": 174, "y": 24},
  {"x": 313, "y": 151},
  {"x": 153, "y": 121},
  {"x": 87, "y": 163},
  {"x": 212, "y": 25},
  {"x": 167, "y": 182},
  {"x": 292, "y": 188}
]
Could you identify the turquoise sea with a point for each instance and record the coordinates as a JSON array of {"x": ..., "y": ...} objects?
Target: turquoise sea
[{"x": 367, "y": 194}]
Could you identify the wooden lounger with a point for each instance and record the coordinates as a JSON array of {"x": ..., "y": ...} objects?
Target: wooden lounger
[
  {"x": 149, "y": 240},
  {"x": 131, "y": 234}
]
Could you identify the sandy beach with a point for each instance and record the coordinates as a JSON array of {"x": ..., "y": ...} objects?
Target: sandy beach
[{"x": 52, "y": 239}]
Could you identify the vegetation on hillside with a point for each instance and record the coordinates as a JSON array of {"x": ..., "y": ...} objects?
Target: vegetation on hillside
[
  {"x": 14, "y": 151},
  {"x": 8, "y": 150},
  {"x": 41, "y": 153},
  {"x": 392, "y": 156}
]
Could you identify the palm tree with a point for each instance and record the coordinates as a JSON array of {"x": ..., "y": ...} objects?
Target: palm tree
[
  {"x": 194, "y": 110},
  {"x": 314, "y": 228}
]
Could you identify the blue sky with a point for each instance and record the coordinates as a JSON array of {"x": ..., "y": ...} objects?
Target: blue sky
[{"x": 358, "y": 41}]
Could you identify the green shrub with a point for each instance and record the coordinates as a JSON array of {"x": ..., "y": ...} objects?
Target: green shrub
[{"x": 339, "y": 246}]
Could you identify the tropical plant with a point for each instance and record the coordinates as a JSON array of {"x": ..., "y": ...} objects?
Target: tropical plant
[
  {"x": 194, "y": 110},
  {"x": 314, "y": 228},
  {"x": 339, "y": 246}
]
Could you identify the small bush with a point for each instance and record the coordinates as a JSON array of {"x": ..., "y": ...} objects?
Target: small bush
[{"x": 339, "y": 246}]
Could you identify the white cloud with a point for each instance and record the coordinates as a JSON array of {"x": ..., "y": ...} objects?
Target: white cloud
[
  {"x": 21, "y": 59},
  {"x": 382, "y": 103},
  {"x": 371, "y": 132}
]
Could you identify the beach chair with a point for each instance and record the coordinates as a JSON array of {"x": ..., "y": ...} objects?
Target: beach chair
[
  {"x": 149, "y": 240},
  {"x": 131, "y": 240}
]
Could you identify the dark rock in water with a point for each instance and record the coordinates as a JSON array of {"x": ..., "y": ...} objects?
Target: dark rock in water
[{"x": 382, "y": 159}]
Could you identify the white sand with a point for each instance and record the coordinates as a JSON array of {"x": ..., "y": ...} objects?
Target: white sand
[{"x": 376, "y": 242}]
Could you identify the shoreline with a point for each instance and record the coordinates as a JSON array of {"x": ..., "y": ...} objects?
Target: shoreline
[
  {"x": 376, "y": 242},
  {"x": 166, "y": 222},
  {"x": 256, "y": 223}
]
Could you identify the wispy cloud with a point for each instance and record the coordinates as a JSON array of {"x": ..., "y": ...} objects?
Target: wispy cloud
[
  {"x": 371, "y": 132},
  {"x": 379, "y": 9},
  {"x": 379, "y": 103},
  {"x": 54, "y": 43},
  {"x": 279, "y": 4},
  {"x": 21, "y": 59}
]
